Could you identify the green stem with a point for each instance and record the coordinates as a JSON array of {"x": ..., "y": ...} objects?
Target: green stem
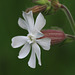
[{"x": 69, "y": 16}]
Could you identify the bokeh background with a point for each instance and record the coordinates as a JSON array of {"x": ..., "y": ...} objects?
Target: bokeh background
[{"x": 60, "y": 60}]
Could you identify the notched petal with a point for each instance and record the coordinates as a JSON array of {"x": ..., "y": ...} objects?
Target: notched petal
[
  {"x": 22, "y": 24},
  {"x": 32, "y": 60},
  {"x": 37, "y": 51},
  {"x": 44, "y": 43},
  {"x": 29, "y": 19},
  {"x": 18, "y": 41},
  {"x": 40, "y": 22},
  {"x": 24, "y": 51}
]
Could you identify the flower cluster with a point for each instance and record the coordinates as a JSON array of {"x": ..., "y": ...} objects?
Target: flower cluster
[{"x": 36, "y": 36}]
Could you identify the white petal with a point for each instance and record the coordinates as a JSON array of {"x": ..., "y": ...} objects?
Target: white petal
[
  {"x": 32, "y": 60},
  {"x": 18, "y": 41},
  {"x": 22, "y": 24},
  {"x": 24, "y": 51},
  {"x": 36, "y": 49},
  {"x": 44, "y": 43},
  {"x": 29, "y": 19},
  {"x": 40, "y": 22},
  {"x": 38, "y": 34}
]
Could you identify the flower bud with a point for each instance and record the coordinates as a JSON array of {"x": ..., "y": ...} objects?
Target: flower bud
[
  {"x": 56, "y": 36},
  {"x": 51, "y": 5},
  {"x": 37, "y": 8},
  {"x": 55, "y": 5},
  {"x": 47, "y": 3}
]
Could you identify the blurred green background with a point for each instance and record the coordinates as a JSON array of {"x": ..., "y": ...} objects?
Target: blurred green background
[{"x": 60, "y": 60}]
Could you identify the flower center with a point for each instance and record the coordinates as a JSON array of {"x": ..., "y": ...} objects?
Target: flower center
[{"x": 31, "y": 38}]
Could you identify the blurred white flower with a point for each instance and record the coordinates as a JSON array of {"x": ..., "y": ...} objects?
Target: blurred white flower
[{"x": 31, "y": 39}]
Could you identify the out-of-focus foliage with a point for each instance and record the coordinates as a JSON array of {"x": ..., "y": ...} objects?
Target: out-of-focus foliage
[{"x": 60, "y": 60}]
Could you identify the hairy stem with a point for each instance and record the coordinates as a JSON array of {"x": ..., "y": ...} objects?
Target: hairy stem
[
  {"x": 70, "y": 36},
  {"x": 69, "y": 16}
]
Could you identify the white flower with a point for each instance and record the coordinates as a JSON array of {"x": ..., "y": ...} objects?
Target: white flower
[{"x": 31, "y": 39}]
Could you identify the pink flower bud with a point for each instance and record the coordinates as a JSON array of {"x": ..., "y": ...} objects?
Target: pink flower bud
[
  {"x": 37, "y": 8},
  {"x": 56, "y": 36}
]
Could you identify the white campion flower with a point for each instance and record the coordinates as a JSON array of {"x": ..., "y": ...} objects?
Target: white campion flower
[{"x": 31, "y": 40}]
